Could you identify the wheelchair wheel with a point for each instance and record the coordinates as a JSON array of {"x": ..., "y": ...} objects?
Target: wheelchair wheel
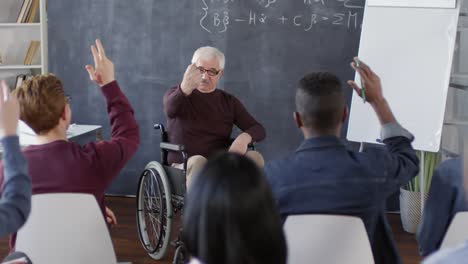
[
  {"x": 154, "y": 210},
  {"x": 180, "y": 255}
]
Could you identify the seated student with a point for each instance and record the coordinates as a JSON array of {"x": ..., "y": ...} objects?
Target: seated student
[
  {"x": 16, "y": 194},
  {"x": 230, "y": 215},
  {"x": 454, "y": 255},
  {"x": 445, "y": 199},
  {"x": 322, "y": 176},
  {"x": 201, "y": 117},
  {"x": 57, "y": 165}
]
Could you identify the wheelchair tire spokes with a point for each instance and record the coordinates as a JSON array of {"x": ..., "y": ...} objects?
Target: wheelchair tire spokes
[
  {"x": 153, "y": 207},
  {"x": 153, "y": 216}
]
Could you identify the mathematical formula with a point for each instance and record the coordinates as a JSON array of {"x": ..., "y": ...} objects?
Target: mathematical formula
[{"x": 220, "y": 21}]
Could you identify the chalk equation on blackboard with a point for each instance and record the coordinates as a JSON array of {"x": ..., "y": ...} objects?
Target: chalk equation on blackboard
[
  {"x": 268, "y": 3},
  {"x": 220, "y": 21}
]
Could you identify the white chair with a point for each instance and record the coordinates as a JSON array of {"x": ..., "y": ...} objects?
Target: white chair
[
  {"x": 327, "y": 239},
  {"x": 66, "y": 228},
  {"x": 457, "y": 232}
]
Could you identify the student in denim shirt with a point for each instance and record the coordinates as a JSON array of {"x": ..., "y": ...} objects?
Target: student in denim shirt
[
  {"x": 454, "y": 255},
  {"x": 15, "y": 204},
  {"x": 446, "y": 198},
  {"x": 322, "y": 176}
]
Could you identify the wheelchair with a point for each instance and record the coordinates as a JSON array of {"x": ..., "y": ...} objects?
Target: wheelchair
[{"x": 160, "y": 196}]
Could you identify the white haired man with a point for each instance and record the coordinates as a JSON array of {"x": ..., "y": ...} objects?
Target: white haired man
[{"x": 201, "y": 117}]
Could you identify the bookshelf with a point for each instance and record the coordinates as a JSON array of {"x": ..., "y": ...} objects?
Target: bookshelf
[
  {"x": 20, "y": 67},
  {"x": 20, "y": 24},
  {"x": 16, "y": 39}
]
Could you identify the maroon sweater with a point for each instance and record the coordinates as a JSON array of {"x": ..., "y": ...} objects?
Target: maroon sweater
[
  {"x": 203, "y": 121},
  {"x": 63, "y": 166}
]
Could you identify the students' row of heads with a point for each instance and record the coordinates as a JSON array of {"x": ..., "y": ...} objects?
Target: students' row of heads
[{"x": 320, "y": 103}]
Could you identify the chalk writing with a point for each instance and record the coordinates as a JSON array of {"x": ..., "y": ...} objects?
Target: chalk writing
[{"x": 219, "y": 20}]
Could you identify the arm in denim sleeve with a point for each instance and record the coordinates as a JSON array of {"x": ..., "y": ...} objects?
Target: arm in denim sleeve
[
  {"x": 399, "y": 163},
  {"x": 457, "y": 254},
  {"x": 438, "y": 212},
  {"x": 394, "y": 129},
  {"x": 15, "y": 204}
]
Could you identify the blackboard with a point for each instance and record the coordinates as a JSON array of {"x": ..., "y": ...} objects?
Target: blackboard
[{"x": 269, "y": 45}]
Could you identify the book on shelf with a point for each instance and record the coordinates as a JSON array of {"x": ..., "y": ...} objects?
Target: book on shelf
[
  {"x": 36, "y": 57},
  {"x": 23, "y": 11},
  {"x": 19, "y": 80},
  {"x": 28, "y": 11},
  {"x": 33, "y": 52},
  {"x": 32, "y": 12}
]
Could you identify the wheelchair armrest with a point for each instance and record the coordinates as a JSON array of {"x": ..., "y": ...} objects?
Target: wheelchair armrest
[
  {"x": 159, "y": 126},
  {"x": 172, "y": 147},
  {"x": 166, "y": 147}
]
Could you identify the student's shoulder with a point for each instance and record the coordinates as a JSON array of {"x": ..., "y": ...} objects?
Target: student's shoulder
[
  {"x": 451, "y": 165},
  {"x": 54, "y": 149},
  {"x": 450, "y": 171},
  {"x": 372, "y": 153},
  {"x": 277, "y": 169},
  {"x": 90, "y": 147},
  {"x": 373, "y": 159},
  {"x": 55, "y": 146}
]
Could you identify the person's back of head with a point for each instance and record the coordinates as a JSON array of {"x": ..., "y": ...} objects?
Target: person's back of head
[
  {"x": 320, "y": 103},
  {"x": 230, "y": 215},
  {"x": 42, "y": 102}
]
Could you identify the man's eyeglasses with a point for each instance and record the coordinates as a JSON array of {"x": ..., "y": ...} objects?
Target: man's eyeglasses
[
  {"x": 210, "y": 72},
  {"x": 67, "y": 99}
]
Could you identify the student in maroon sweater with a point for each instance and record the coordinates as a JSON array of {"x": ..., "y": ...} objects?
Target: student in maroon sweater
[
  {"x": 57, "y": 165},
  {"x": 201, "y": 117}
]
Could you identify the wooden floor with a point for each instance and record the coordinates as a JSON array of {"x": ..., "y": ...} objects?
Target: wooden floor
[{"x": 128, "y": 248}]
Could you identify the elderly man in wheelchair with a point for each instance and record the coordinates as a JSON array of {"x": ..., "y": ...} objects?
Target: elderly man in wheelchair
[{"x": 200, "y": 119}]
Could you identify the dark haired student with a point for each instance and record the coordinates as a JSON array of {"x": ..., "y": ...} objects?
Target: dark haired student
[
  {"x": 322, "y": 176},
  {"x": 230, "y": 216}
]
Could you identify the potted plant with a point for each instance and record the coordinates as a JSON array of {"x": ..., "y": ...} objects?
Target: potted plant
[{"x": 410, "y": 193}]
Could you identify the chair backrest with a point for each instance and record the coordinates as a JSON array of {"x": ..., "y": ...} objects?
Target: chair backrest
[
  {"x": 66, "y": 228},
  {"x": 457, "y": 232},
  {"x": 327, "y": 239}
]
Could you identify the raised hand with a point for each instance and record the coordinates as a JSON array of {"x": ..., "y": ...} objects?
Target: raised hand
[
  {"x": 370, "y": 83},
  {"x": 373, "y": 90},
  {"x": 192, "y": 79},
  {"x": 9, "y": 111},
  {"x": 103, "y": 71},
  {"x": 110, "y": 217}
]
